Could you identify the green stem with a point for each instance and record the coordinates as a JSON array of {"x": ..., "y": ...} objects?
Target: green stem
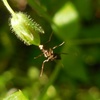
[
  {"x": 51, "y": 81},
  {"x": 8, "y": 7}
]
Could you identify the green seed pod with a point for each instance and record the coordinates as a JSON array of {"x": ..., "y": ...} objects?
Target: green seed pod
[{"x": 24, "y": 27}]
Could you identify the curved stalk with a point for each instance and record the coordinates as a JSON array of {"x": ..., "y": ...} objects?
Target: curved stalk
[{"x": 8, "y": 7}]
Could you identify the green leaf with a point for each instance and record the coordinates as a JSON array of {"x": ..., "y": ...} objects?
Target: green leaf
[
  {"x": 66, "y": 22},
  {"x": 16, "y": 96},
  {"x": 73, "y": 64}
]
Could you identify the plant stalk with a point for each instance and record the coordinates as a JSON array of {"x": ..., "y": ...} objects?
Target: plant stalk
[{"x": 8, "y": 7}]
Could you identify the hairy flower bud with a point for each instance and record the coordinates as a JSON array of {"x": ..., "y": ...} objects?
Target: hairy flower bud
[{"x": 24, "y": 27}]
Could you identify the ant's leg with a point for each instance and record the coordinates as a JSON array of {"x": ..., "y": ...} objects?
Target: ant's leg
[
  {"x": 38, "y": 56},
  {"x": 58, "y": 45},
  {"x": 43, "y": 66}
]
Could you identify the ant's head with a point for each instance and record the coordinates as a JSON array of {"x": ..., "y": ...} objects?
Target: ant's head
[{"x": 41, "y": 47}]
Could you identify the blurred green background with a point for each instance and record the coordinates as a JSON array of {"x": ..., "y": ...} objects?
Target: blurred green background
[{"x": 77, "y": 22}]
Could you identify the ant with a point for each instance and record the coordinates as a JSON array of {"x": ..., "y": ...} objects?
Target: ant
[{"x": 49, "y": 54}]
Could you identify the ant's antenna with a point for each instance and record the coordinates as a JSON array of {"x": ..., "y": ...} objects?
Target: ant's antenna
[
  {"x": 38, "y": 56},
  {"x": 49, "y": 38}
]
